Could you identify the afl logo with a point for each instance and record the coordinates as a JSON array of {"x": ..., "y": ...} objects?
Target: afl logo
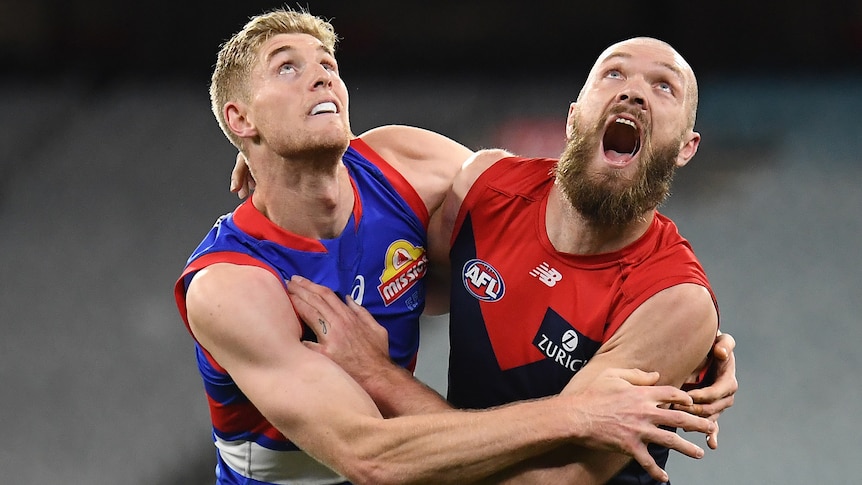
[{"x": 482, "y": 280}]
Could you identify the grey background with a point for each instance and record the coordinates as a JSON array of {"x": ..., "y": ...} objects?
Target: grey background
[{"x": 114, "y": 168}]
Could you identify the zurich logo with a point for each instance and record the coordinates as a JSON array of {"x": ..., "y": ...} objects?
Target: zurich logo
[{"x": 482, "y": 280}]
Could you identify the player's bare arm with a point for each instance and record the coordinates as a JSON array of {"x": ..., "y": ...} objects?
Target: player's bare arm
[
  {"x": 265, "y": 356},
  {"x": 671, "y": 333},
  {"x": 628, "y": 392}
]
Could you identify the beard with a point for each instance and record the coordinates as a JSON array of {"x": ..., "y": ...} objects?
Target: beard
[
  {"x": 317, "y": 150},
  {"x": 610, "y": 198},
  {"x": 311, "y": 154}
]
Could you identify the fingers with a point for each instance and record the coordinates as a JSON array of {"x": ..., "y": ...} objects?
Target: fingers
[
  {"x": 708, "y": 409},
  {"x": 635, "y": 376},
  {"x": 724, "y": 345},
  {"x": 241, "y": 181},
  {"x": 712, "y": 438},
  {"x": 724, "y": 387},
  {"x": 310, "y": 315},
  {"x": 238, "y": 173},
  {"x": 318, "y": 306},
  {"x": 687, "y": 422},
  {"x": 669, "y": 440},
  {"x": 359, "y": 310},
  {"x": 718, "y": 396},
  {"x": 648, "y": 463},
  {"x": 313, "y": 346},
  {"x": 315, "y": 296}
]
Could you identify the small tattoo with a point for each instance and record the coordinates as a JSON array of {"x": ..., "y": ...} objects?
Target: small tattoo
[{"x": 322, "y": 324}]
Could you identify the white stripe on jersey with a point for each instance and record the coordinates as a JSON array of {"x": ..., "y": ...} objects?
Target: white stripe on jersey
[{"x": 251, "y": 460}]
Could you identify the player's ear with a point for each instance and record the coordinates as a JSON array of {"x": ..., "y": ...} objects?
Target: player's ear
[
  {"x": 688, "y": 149},
  {"x": 570, "y": 119},
  {"x": 237, "y": 120}
]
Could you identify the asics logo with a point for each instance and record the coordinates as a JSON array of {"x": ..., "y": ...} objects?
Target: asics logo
[{"x": 358, "y": 290}]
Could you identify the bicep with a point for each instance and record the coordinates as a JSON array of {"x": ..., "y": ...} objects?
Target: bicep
[
  {"x": 671, "y": 333},
  {"x": 244, "y": 319},
  {"x": 426, "y": 159}
]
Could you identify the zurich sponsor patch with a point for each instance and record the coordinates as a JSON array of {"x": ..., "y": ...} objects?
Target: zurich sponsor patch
[{"x": 482, "y": 280}]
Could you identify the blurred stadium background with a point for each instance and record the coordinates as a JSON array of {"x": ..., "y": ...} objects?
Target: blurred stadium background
[{"x": 113, "y": 169}]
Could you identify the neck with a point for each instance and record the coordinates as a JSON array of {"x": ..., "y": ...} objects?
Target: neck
[
  {"x": 570, "y": 232},
  {"x": 311, "y": 198}
]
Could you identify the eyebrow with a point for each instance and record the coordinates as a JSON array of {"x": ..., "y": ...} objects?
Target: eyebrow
[
  {"x": 671, "y": 67},
  {"x": 289, "y": 47}
]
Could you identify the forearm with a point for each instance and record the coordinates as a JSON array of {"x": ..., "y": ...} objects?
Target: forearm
[
  {"x": 396, "y": 392},
  {"x": 464, "y": 447}
]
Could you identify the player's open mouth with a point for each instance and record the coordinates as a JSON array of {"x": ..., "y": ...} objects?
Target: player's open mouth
[
  {"x": 622, "y": 141},
  {"x": 326, "y": 107}
]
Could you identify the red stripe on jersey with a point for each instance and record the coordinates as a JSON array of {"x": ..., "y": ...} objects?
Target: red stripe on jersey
[{"x": 401, "y": 185}]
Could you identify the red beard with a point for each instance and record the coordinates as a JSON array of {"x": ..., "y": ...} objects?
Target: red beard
[{"x": 609, "y": 199}]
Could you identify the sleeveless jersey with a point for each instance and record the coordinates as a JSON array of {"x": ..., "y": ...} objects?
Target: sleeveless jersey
[
  {"x": 379, "y": 259},
  {"x": 525, "y": 317}
]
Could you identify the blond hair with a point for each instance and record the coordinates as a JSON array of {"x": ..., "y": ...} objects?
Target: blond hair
[{"x": 238, "y": 55}]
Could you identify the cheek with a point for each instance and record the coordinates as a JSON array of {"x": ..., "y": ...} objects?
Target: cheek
[{"x": 342, "y": 93}]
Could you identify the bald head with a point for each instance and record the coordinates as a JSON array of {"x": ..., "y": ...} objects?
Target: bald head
[{"x": 658, "y": 53}]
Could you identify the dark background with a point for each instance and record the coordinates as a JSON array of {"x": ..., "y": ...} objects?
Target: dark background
[
  {"x": 519, "y": 40},
  {"x": 113, "y": 168}
]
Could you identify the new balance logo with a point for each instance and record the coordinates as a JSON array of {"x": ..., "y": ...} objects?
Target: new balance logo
[{"x": 546, "y": 274}]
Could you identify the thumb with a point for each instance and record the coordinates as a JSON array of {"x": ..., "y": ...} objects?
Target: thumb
[
  {"x": 314, "y": 346},
  {"x": 638, "y": 377}
]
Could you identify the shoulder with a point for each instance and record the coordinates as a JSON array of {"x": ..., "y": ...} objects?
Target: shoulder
[
  {"x": 427, "y": 160},
  {"x": 405, "y": 144},
  {"x": 475, "y": 166},
  {"x": 226, "y": 278},
  {"x": 223, "y": 293}
]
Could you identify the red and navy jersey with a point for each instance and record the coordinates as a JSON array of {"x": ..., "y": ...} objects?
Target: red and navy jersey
[
  {"x": 379, "y": 259},
  {"x": 525, "y": 317}
]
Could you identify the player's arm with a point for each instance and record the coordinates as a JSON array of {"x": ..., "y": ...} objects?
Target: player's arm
[
  {"x": 624, "y": 402},
  {"x": 360, "y": 346},
  {"x": 670, "y": 333},
  {"x": 242, "y": 317},
  {"x": 429, "y": 161}
]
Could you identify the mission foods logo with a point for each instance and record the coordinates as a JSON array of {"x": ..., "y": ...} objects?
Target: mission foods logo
[
  {"x": 482, "y": 280},
  {"x": 404, "y": 266}
]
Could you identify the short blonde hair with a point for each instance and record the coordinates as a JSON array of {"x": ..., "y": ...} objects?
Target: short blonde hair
[{"x": 238, "y": 55}]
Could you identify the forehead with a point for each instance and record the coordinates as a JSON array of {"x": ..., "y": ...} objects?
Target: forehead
[
  {"x": 647, "y": 55},
  {"x": 300, "y": 43}
]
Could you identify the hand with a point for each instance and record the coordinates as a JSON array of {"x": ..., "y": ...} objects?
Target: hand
[
  {"x": 346, "y": 333},
  {"x": 711, "y": 401},
  {"x": 241, "y": 180},
  {"x": 625, "y": 409}
]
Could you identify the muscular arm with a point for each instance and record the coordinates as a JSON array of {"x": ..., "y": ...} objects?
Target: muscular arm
[
  {"x": 671, "y": 333},
  {"x": 242, "y": 317},
  {"x": 621, "y": 421}
]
